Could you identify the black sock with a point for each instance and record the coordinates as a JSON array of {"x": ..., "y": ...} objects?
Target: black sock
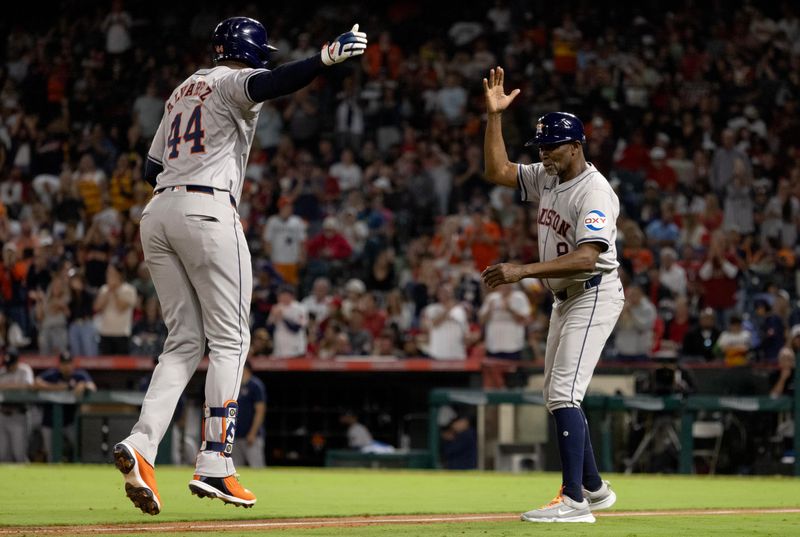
[
  {"x": 571, "y": 430},
  {"x": 591, "y": 476}
]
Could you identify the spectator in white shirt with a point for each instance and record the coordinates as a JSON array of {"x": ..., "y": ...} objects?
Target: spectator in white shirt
[
  {"x": 347, "y": 172},
  {"x": 671, "y": 274},
  {"x": 354, "y": 290},
  {"x": 284, "y": 241},
  {"x": 358, "y": 436},
  {"x": 114, "y": 305},
  {"x": 634, "y": 330},
  {"x": 147, "y": 111},
  {"x": 451, "y": 100},
  {"x": 446, "y": 324},
  {"x": 319, "y": 302},
  {"x": 289, "y": 320},
  {"x": 504, "y": 314},
  {"x": 116, "y": 26}
]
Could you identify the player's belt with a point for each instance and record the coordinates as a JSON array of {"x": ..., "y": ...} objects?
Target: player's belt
[
  {"x": 195, "y": 188},
  {"x": 578, "y": 288}
]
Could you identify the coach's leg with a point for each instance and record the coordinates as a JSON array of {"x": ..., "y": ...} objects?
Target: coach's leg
[
  {"x": 591, "y": 475},
  {"x": 584, "y": 333},
  {"x": 553, "y": 335},
  {"x": 569, "y": 432},
  {"x": 183, "y": 348}
]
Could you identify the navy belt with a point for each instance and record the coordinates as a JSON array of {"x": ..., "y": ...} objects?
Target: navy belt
[
  {"x": 578, "y": 288},
  {"x": 195, "y": 188}
]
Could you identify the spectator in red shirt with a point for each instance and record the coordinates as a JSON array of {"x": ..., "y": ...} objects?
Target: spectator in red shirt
[
  {"x": 330, "y": 244},
  {"x": 661, "y": 172},
  {"x": 718, "y": 275},
  {"x": 678, "y": 326},
  {"x": 374, "y": 317},
  {"x": 635, "y": 156},
  {"x": 384, "y": 59}
]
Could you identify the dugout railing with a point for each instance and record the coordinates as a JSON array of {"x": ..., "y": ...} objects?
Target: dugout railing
[{"x": 686, "y": 408}]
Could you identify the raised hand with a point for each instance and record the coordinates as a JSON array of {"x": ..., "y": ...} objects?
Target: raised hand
[
  {"x": 496, "y": 98},
  {"x": 347, "y": 45}
]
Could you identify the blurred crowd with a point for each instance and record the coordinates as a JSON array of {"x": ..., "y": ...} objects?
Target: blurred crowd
[{"x": 365, "y": 207}]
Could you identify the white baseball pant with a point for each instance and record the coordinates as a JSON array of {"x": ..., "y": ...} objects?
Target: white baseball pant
[
  {"x": 579, "y": 328},
  {"x": 199, "y": 261}
]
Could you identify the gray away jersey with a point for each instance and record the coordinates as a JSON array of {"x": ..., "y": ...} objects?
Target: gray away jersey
[
  {"x": 206, "y": 131},
  {"x": 584, "y": 209}
]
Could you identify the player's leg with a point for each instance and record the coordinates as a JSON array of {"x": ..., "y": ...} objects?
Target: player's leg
[
  {"x": 220, "y": 269},
  {"x": 183, "y": 350}
]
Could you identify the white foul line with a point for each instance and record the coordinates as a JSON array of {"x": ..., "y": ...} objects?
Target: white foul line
[{"x": 364, "y": 521}]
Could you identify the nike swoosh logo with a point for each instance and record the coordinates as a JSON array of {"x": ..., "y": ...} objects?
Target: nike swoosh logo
[{"x": 562, "y": 512}]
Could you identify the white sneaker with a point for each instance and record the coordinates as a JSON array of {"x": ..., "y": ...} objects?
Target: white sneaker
[
  {"x": 561, "y": 509},
  {"x": 602, "y": 498}
]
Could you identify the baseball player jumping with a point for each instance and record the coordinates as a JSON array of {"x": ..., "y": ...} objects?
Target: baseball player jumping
[
  {"x": 197, "y": 253},
  {"x": 577, "y": 218}
]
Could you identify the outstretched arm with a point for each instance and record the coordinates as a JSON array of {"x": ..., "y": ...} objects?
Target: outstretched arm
[
  {"x": 290, "y": 77},
  {"x": 497, "y": 167}
]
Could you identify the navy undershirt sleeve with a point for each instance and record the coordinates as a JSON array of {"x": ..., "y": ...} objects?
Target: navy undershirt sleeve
[
  {"x": 284, "y": 79},
  {"x": 151, "y": 170}
]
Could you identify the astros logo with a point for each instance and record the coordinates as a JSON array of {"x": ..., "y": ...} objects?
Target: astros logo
[{"x": 595, "y": 220}]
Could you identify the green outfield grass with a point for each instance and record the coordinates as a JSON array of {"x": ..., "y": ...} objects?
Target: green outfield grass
[{"x": 89, "y": 494}]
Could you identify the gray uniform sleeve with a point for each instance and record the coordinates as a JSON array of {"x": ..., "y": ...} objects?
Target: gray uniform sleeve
[
  {"x": 530, "y": 180},
  {"x": 233, "y": 87},
  {"x": 597, "y": 216}
]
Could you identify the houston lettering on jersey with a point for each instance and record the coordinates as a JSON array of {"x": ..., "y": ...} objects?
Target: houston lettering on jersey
[
  {"x": 549, "y": 217},
  {"x": 199, "y": 89}
]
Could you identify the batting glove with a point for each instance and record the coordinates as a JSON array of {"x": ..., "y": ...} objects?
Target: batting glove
[{"x": 347, "y": 45}]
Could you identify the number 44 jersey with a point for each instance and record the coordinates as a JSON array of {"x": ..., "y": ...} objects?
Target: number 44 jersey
[
  {"x": 205, "y": 134},
  {"x": 583, "y": 209}
]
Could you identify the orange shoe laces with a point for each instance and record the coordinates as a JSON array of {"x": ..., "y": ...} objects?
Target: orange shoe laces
[{"x": 557, "y": 500}]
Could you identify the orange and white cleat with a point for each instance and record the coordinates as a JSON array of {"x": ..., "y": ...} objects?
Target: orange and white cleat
[
  {"x": 228, "y": 489},
  {"x": 140, "y": 478}
]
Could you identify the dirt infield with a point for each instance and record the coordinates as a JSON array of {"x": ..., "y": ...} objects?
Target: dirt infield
[{"x": 343, "y": 522}]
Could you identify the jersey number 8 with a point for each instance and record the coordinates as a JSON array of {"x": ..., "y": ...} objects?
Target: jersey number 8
[{"x": 194, "y": 132}]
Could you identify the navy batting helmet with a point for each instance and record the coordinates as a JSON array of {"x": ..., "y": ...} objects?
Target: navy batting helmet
[
  {"x": 242, "y": 39},
  {"x": 557, "y": 128}
]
